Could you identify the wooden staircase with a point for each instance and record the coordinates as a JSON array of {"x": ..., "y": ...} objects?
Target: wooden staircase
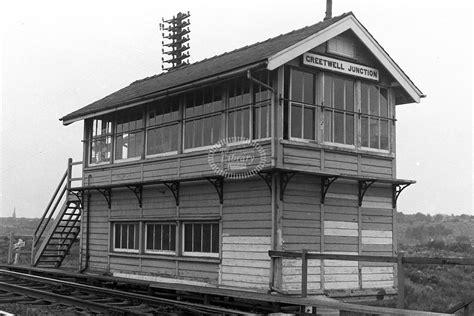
[{"x": 58, "y": 228}]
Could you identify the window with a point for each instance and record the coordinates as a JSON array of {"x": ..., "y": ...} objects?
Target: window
[
  {"x": 338, "y": 110},
  {"x": 161, "y": 237},
  {"x": 203, "y": 117},
  {"x": 375, "y": 117},
  {"x": 100, "y": 141},
  {"x": 261, "y": 110},
  {"x": 302, "y": 109},
  {"x": 126, "y": 237},
  {"x": 129, "y": 135},
  {"x": 163, "y": 127},
  {"x": 238, "y": 114},
  {"x": 201, "y": 239}
]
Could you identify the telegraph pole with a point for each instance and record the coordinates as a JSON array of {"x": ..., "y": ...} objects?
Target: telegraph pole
[{"x": 175, "y": 32}]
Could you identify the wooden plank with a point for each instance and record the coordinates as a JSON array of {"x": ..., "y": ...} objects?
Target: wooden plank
[
  {"x": 369, "y": 270},
  {"x": 341, "y": 240},
  {"x": 376, "y": 212},
  {"x": 377, "y": 277},
  {"x": 377, "y": 247},
  {"x": 377, "y": 241},
  {"x": 341, "y": 247},
  {"x": 246, "y": 263},
  {"x": 340, "y": 225},
  {"x": 377, "y": 233},
  {"x": 341, "y": 217},
  {"x": 245, "y": 247},
  {"x": 340, "y": 232},
  {"x": 246, "y": 240},
  {"x": 376, "y": 226},
  {"x": 341, "y": 270},
  {"x": 377, "y": 284},
  {"x": 245, "y": 278},
  {"x": 247, "y": 255}
]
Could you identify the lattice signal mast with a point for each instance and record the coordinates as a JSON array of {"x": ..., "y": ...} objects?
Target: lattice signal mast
[{"x": 176, "y": 32}]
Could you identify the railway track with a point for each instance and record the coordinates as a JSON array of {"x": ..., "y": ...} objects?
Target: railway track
[{"x": 16, "y": 287}]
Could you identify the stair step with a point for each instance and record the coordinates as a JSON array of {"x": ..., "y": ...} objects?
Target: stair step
[{"x": 51, "y": 256}]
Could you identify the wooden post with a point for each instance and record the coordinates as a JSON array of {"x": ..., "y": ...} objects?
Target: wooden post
[
  {"x": 304, "y": 273},
  {"x": 33, "y": 239},
  {"x": 401, "y": 281},
  {"x": 468, "y": 309},
  {"x": 10, "y": 246},
  {"x": 69, "y": 173}
]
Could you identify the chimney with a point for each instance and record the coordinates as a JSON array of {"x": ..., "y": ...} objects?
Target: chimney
[{"x": 328, "y": 10}]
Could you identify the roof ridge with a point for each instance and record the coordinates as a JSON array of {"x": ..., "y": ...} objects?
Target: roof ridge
[{"x": 239, "y": 49}]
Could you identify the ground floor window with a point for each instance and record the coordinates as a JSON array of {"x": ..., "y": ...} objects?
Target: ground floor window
[
  {"x": 126, "y": 237},
  {"x": 160, "y": 237},
  {"x": 201, "y": 239}
]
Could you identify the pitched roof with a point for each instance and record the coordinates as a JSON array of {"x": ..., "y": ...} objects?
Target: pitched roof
[{"x": 245, "y": 56}]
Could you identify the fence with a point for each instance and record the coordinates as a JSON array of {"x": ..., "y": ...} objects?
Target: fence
[{"x": 400, "y": 260}]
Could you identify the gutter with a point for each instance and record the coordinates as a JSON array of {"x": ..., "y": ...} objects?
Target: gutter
[{"x": 167, "y": 92}]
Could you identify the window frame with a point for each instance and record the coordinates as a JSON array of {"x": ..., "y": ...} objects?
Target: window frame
[
  {"x": 137, "y": 130},
  {"x": 303, "y": 106},
  {"x": 91, "y": 138},
  {"x": 171, "y": 122},
  {"x": 161, "y": 252},
  {"x": 211, "y": 254},
  {"x": 136, "y": 233}
]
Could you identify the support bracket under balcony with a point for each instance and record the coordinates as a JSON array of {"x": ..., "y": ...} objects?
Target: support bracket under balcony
[
  {"x": 218, "y": 184},
  {"x": 138, "y": 191},
  {"x": 396, "y": 190},
  {"x": 364, "y": 185},
  {"x": 107, "y": 194},
  {"x": 325, "y": 184},
  {"x": 285, "y": 177},
  {"x": 174, "y": 188}
]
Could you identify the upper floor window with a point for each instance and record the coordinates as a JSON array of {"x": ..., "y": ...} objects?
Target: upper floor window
[
  {"x": 100, "y": 141},
  {"x": 375, "y": 117},
  {"x": 302, "y": 108},
  {"x": 163, "y": 127},
  {"x": 203, "y": 117},
  {"x": 238, "y": 113},
  {"x": 129, "y": 135},
  {"x": 261, "y": 112},
  {"x": 338, "y": 110}
]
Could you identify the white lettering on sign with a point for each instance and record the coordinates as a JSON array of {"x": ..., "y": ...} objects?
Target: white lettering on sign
[{"x": 341, "y": 66}]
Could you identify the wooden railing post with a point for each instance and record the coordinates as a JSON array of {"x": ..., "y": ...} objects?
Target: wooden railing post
[
  {"x": 10, "y": 250},
  {"x": 401, "y": 281},
  {"x": 304, "y": 273},
  {"x": 69, "y": 173},
  {"x": 33, "y": 238}
]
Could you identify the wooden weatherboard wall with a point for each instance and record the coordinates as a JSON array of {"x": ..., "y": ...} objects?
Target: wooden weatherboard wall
[
  {"x": 339, "y": 226},
  {"x": 245, "y": 224}
]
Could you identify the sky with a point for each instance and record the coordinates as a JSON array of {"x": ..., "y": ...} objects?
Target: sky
[{"x": 58, "y": 56}]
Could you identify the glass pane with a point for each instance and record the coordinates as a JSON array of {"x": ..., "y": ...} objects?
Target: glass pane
[
  {"x": 338, "y": 128},
  {"x": 188, "y": 237},
  {"x": 296, "y": 86},
  {"x": 296, "y": 123},
  {"x": 189, "y": 132},
  {"x": 328, "y": 126},
  {"x": 374, "y": 133},
  {"x": 246, "y": 123},
  {"x": 384, "y": 134},
  {"x": 338, "y": 93},
  {"x": 131, "y": 236},
  {"x": 246, "y": 97},
  {"x": 216, "y": 133},
  {"x": 215, "y": 238},
  {"x": 124, "y": 236},
  {"x": 238, "y": 123},
  {"x": 198, "y": 133},
  {"x": 231, "y": 124},
  {"x": 166, "y": 237},
  {"x": 383, "y": 102},
  {"x": 349, "y": 95},
  {"x": 309, "y": 122},
  {"x": 374, "y": 101},
  {"x": 117, "y": 236},
  {"x": 308, "y": 96},
  {"x": 207, "y": 131},
  {"x": 149, "y": 236},
  {"x": 364, "y": 98},
  {"x": 365, "y": 132},
  {"x": 173, "y": 237},
  {"x": 349, "y": 129},
  {"x": 328, "y": 92},
  {"x": 100, "y": 150},
  {"x": 157, "y": 238},
  {"x": 206, "y": 238},
  {"x": 197, "y": 237}
]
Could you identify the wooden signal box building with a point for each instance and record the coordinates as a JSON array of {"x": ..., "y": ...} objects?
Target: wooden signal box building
[{"x": 193, "y": 175}]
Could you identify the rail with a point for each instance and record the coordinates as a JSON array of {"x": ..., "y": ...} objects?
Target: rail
[
  {"x": 59, "y": 196},
  {"x": 399, "y": 260}
]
